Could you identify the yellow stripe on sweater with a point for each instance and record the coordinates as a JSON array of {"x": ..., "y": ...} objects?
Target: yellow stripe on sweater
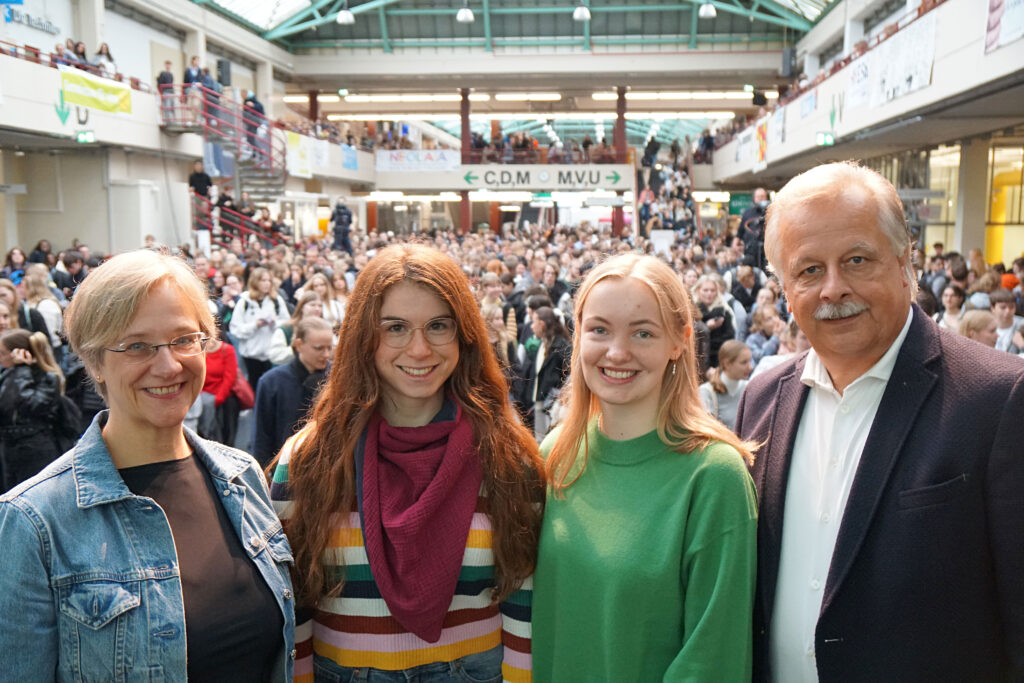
[{"x": 396, "y": 661}]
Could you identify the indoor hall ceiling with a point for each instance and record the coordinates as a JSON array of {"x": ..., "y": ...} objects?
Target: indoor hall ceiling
[{"x": 390, "y": 25}]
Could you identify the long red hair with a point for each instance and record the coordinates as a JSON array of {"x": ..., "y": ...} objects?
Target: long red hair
[{"x": 321, "y": 470}]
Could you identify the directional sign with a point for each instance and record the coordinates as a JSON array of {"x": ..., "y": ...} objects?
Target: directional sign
[
  {"x": 12, "y": 189},
  {"x": 62, "y": 109},
  {"x": 548, "y": 177}
]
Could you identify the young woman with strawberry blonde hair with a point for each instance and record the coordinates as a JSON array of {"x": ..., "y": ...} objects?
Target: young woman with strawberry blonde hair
[{"x": 647, "y": 554}]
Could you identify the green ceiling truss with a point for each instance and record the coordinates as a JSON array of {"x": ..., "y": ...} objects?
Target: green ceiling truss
[
  {"x": 637, "y": 130},
  {"x": 298, "y": 31}
]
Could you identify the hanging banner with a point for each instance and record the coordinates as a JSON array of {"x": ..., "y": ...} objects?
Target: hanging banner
[
  {"x": 418, "y": 160},
  {"x": 86, "y": 90},
  {"x": 808, "y": 103},
  {"x": 1005, "y": 23},
  {"x": 858, "y": 88},
  {"x": 349, "y": 157},
  {"x": 321, "y": 153},
  {"x": 299, "y": 155},
  {"x": 779, "y": 126},
  {"x": 762, "y": 141},
  {"x": 903, "y": 63}
]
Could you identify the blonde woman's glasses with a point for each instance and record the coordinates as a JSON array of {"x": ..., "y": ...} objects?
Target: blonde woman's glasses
[{"x": 184, "y": 346}]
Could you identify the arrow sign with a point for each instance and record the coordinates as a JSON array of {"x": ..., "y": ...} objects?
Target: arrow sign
[
  {"x": 63, "y": 110},
  {"x": 614, "y": 177},
  {"x": 469, "y": 177}
]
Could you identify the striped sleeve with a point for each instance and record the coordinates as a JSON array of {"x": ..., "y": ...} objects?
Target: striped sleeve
[
  {"x": 516, "y": 634},
  {"x": 280, "y": 496}
]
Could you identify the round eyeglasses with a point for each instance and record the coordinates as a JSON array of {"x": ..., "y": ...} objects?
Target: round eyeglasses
[
  {"x": 184, "y": 346},
  {"x": 398, "y": 333}
]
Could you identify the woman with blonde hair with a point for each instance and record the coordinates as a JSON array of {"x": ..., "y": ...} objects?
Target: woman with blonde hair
[
  {"x": 334, "y": 311},
  {"x": 413, "y": 497},
  {"x": 308, "y": 306},
  {"x": 257, "y": 314},
  {"x": 638, "y": 458},
  {"x": 144, "y": 551},
  {"x": 721, "y": 393},
  {"x": 981, "y": 326},
  {"x": 39, "y": 297},
  {"x": 716, "y": 313},
  {"x": 23, "y": 316}
]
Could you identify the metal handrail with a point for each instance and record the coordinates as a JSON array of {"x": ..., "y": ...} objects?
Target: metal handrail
[
  {"x": 218, "y": 116},
  {"x": 35, "y": 55},
  {"x": 235, "y": 222}
]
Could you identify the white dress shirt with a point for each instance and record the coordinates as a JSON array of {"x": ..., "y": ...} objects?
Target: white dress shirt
[{"x": 829, "y": 442}]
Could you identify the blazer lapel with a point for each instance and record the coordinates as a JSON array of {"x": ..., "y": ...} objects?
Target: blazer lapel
[
  {"x": 908, "y": 388},
  {"x": 773, "y": 475}
]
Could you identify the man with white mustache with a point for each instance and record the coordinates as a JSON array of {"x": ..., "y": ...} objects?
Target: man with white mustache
[{"x": 891, "y": 475}]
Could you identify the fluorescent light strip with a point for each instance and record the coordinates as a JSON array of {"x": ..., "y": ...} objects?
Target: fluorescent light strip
[
  {"x": 528, "y": 97},
  {"x": 554, "y": 116},
  {"x": 640, "y": 95}
]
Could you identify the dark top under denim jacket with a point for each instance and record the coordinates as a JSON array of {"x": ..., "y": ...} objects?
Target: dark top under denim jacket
[{"x": 89, "y": 583}]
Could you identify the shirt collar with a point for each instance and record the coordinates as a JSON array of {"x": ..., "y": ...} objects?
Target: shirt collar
[{"x": 815, "y": 374}]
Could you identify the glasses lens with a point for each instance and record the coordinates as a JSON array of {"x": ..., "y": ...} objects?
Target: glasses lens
[
  {"x": 189, "y": 345},
  {"x": 440, "y": 331}
]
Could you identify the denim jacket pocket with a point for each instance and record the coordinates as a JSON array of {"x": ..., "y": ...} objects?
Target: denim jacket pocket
[
  {"x": 97, "y": 627},
  {"x": 279, "y": 548}
]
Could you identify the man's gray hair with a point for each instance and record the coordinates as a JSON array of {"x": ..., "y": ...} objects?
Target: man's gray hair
[{"x": 849, "y": 180}]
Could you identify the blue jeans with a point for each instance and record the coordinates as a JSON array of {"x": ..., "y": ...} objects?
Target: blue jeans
[{"x": 483, "y": 667}]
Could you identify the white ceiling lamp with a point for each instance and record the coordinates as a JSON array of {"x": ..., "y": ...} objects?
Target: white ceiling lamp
[
  {"x": 581, "y": 13},
  {"x": 465, "y": 15},
  {"x": 345, "y": 16},
  {"x": 707, "y": 11}
]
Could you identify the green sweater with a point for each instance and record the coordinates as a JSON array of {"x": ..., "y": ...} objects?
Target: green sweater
[{"x": 646, "y": 568}]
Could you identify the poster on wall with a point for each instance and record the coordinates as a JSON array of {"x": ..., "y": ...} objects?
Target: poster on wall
[
  {"x": 903, "y": 63},
  {"x": 778, "y": 135},
  {"x": 1004, "y": 23},
  {"x": 762, "y": 141},
  {"x": 808, "y": 103},
  {"x": 321, "y": 153},
  {"x": 744, "y": 146},
  {"x": 858, "y": 88},
  {"x": 349, "y": 157},
  {"x": 299, "y": 153},
  {"x": 418, "y": 160}
]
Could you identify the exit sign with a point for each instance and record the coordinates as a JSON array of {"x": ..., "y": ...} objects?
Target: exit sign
[
  {"x": 85, "y": 136},
  {"x": 826, "y": 139}
]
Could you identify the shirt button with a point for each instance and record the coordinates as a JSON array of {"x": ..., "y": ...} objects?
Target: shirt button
[
  {"x": 810, "y": 652},
  {"x": 815, "y": 584},
  {"x": 844, "y": 409},
  {"x": 287, "y": 594},
  {"x": 825, "y": 518},
  {"x": 833, "y": 462}
]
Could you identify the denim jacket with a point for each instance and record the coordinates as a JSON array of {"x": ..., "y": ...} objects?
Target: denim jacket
[{"x": 89, "y": 583}]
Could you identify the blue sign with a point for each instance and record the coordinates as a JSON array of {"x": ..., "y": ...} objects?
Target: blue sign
[
  {"x": 349, "y": 157},
  {"x": 10, "y": 2}
]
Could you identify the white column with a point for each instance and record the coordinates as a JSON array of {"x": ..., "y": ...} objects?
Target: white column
[
  {"x": 9, "y": 201},
  {"x": 265, "y": 87},
  {"x": 852, "y": 33},
  {"x": 195, "y": 46},
  {"x": 89, "y": 19},
  {"x": 812, "y": 65},
  {"x": 972, "y": 201}
]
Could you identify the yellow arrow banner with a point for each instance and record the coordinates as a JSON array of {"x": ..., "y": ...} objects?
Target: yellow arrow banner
[{"x": 90, "y": 91}]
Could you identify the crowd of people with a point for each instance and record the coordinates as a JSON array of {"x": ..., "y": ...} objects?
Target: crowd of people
[
  {"x": 403, "y": 393},
  {"x": 74, "y": 53}
]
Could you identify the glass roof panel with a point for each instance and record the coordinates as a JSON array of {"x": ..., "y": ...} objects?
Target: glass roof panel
[
  {"x": 263, "y": 13},
  {"x": 808, "y": 8}
]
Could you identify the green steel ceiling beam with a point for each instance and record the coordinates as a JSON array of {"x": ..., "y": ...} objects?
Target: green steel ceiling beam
[
  {"x": 729, "y": 38},
  {"x": 489, "y": 47},
  {"x": 299, "y": 21},
  {"x": 679, "y": 40},
  {"x": 587, "y": 45},
  {"x": 693, "y": 27},
  {"x": 385, "y": 42}
]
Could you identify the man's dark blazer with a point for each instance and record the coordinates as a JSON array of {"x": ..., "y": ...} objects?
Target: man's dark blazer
[{"x": 927, "y": 577}]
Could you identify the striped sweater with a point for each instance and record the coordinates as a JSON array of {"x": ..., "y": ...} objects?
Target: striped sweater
[{"x": 356, "y": 629}]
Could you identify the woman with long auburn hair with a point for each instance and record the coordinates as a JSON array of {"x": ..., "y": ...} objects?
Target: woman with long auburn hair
[
  {"x": 413, "y": 497},
  {"x": 650, "y": 506}
]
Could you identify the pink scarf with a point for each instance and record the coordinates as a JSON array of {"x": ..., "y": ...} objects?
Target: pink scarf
[{"x": 420, "y": 487}]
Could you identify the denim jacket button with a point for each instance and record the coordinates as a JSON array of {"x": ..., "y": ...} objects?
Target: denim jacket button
[
  {"x": 254, "y": 542},
  {"x": 293, "y": 653},
  {"x": 287, "y": 594},
  {"x": 227, "y": 492}
]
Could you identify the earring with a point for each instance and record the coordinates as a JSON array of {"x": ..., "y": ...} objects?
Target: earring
[{"x": 674, "y": 365}]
